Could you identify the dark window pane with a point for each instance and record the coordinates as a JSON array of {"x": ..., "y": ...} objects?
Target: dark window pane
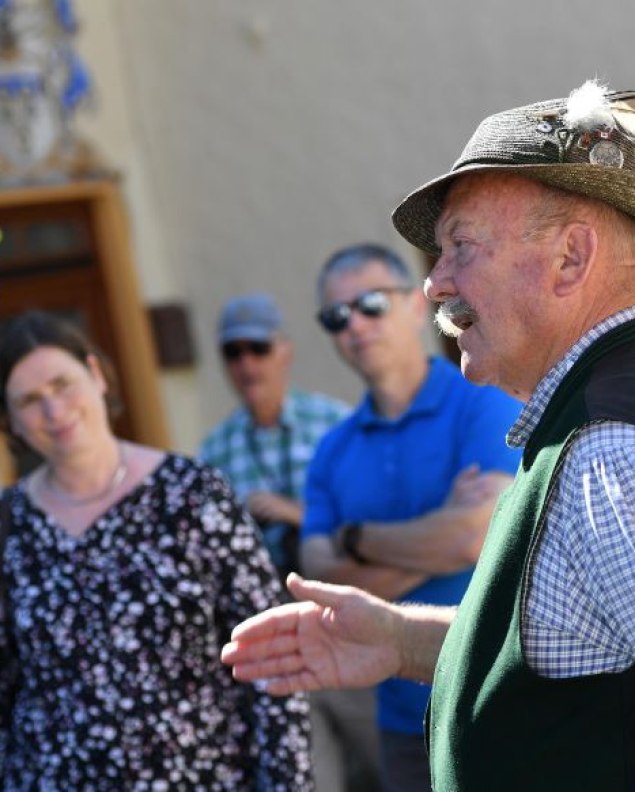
[
  {"x": 8, "y": 243},
  {"x": 54, "y": 238}
]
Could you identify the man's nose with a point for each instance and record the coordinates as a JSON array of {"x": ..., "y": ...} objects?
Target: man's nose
[
  {"x": 439, "y": 286},
  {"x": 356, "y": 320},
  {"x": 248, "y": 362}
]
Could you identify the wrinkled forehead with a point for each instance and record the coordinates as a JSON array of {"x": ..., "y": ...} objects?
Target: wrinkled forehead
[{"x": 474, "y": 197}]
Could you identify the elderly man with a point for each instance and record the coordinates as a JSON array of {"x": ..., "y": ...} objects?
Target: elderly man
[
  {"x": 399, "y": 495},
  {"x": 534, "y": 676}
]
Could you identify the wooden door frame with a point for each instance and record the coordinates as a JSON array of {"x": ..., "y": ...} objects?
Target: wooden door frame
[{"x": 129, "y": 322}]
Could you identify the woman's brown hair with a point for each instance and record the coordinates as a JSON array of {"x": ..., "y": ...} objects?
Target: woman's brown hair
[{"x": 34, "y": 329}]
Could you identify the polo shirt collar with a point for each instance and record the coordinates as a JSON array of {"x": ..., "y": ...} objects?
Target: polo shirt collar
[{"x": 428, "y": 399}]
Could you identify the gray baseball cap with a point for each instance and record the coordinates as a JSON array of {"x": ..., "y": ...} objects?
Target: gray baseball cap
[{"x": 249, "y": 317}]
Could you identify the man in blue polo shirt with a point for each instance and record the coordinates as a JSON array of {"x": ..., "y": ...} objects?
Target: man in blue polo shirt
[{"x": 399, "y": 495}]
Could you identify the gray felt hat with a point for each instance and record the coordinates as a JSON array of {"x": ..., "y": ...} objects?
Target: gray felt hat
[{"x": 584, "y": 143}]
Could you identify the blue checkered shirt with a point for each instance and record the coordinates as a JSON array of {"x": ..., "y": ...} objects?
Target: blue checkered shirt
[
  {"x": 579, "y": 615},
  {"x": 274, "y": 458}
]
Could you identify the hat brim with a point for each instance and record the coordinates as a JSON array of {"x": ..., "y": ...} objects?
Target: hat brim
[
  {"x": 247, "y": 333},
  {"x": 416, "y": 216}
]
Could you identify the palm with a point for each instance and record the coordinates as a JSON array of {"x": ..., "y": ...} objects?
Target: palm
[
  {"x": 341, "y": 637},
  {"x": 347, "y": 646}
]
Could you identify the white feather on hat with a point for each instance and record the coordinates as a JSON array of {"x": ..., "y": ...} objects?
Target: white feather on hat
[{"x": 588, "y": 108}]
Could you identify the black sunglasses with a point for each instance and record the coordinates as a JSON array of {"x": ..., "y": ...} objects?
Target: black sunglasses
[
  {"x": 234, "y": 350},
  {"x": 374, "y": 303}
]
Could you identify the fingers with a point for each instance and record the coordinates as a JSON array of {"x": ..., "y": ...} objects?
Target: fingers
[
  {"x": 261, "y": 663},
  {"x": 266, "y": 646},
  {"x": 259, "y": 505},
  {"x": 248, "y": 649},
  {"x": 497, "y": 482},
  {"x": 489, "y": 486},
  {"x": 470, "y": 472},
  {"x": 275, "y": 631},
  {"x": 268, "y": 506},
  {"x": 464, "y": 485},
  {"x": 472, "y": 487},
  {"x": 277, "y": 675},
  {"x": 269, "y": 623},
  {"x": 285, "y": 685}
]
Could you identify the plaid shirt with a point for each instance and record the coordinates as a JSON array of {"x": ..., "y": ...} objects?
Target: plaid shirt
[
  {"x": 580, "y": 610},
  {"x": 272, "y": 458}
]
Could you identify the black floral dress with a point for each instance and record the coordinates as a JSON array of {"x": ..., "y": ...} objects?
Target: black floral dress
[{"x": 110, "y": 676}]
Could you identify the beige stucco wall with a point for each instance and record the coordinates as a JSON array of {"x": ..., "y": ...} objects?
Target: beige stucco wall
[{"x": 257, "y": 135}]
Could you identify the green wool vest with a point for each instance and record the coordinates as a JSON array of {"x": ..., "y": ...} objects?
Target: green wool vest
[{"x": 493, "y": 724}]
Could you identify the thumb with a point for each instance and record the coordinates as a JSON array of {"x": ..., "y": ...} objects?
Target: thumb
[{"x": 325, "y": 594}]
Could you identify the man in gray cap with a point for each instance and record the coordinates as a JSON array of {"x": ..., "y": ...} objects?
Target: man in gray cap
[
  {"x": 264, "y": 446},
  {"x": 533, "y": 239}
]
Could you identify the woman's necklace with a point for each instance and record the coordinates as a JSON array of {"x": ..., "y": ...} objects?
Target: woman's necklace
[{"x": 70, "y": 500}]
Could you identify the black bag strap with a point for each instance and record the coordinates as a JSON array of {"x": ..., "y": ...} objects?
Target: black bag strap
[{"x": 5, "y": 527}]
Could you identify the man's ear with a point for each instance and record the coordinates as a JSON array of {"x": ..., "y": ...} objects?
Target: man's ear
[
  {"x": 286, "y": 348},
  {"x": 578, "y": 249}
]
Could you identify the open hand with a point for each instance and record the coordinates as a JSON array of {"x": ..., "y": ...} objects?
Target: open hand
[{"x": 338, "y": 636}]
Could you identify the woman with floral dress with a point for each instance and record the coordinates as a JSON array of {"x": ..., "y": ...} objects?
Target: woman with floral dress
[{"x": 124, "y": 571}]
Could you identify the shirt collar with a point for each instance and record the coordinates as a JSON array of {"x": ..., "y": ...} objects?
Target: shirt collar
[
  {"x": 532, "y": 412},
  {"x": 427, "y": 399},
  {"x": 286, "y": 420}
]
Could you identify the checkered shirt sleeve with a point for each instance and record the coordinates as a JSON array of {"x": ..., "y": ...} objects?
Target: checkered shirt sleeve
[{"x": 579, "y": 615}]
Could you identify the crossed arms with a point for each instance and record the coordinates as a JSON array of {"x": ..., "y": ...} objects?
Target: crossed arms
[{"x": 403, "y": 554}]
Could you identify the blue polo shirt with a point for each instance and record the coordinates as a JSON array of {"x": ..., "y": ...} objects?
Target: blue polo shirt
[{"x": 374, "y": 468}]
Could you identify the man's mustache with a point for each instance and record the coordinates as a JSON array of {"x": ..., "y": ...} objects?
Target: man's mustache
[{"x": 454, "y": 316}]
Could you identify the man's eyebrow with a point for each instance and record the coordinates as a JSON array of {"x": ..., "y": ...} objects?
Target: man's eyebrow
[{"x": 448, "y": 227}]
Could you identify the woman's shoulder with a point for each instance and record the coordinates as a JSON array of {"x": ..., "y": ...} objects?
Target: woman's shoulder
[
  {"x": 142, "y": 457},
  {"x": 187, "y": 469}
]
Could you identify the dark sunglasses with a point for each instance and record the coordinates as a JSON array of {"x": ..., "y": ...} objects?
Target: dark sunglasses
[
  {"x": 234, "y": 350},
  {"x": 374, "y": 303}
]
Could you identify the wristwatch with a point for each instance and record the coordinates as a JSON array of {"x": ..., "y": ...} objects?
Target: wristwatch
[{"x": 350, "y": 534}]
